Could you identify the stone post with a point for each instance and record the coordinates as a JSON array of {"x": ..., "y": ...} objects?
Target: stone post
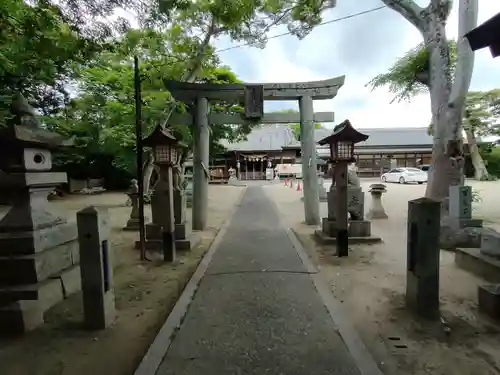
[
  {"x": 422, "y": 275},
  {"x": 96, "y": 268},
  {"x": 200, "y": 164},
  {"x": 164, "y": 188},
  {"x": 133, "y": 223},
  {"x": 309, "y": 165},
  {"x": 341, "y": 209},
  {"x": 322, "y": 193},
  {"x": 181, "y": 241},
  {"x": 377, "y": 210}
]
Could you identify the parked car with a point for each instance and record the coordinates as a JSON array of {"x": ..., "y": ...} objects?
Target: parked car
[{"x": 405, "y": 175}]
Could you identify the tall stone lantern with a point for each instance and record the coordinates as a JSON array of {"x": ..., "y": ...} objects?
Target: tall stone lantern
[
  {"x": 341, "y": 143},
  {"x": 38, "y": 249},
  {"x": 165, "y": 151}
]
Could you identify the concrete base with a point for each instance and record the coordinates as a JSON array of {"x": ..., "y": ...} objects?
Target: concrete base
[
  {"x": 490, "y": 243},
  {"x": 376, "y": 215},
  {"x": 481, "y": 265},
  {"x": 489, "y": 300},
  {"x": 22, "y": 307},
  {"x": 149, "y": 245},
  {"x": 183, "y": 245},
  {"x": 186, "y": 244},
  {"x": 323, "y": 239},
  {"x": 464, "y": 233},
  {"x": 133, "y": 225}
]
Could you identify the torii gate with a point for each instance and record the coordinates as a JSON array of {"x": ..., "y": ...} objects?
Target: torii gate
[{"x": 253, "y": 96}]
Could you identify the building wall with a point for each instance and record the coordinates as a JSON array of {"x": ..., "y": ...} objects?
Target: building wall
[{"x": 374, "y": 164}]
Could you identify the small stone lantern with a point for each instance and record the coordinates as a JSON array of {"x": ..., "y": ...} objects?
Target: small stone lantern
[
  {"x": 164, "y": 146},
  {"x": 341, "y": 143},
  {"x": 377, "y": 210}
]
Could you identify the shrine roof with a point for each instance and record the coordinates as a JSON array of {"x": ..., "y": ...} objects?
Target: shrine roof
[{"x": 277, "y": 137}]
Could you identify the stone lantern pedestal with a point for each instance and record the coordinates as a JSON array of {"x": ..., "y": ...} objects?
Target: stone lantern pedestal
[
  {"x": 39, "y": 254},
  {"x": 377, "y": 210},
  {"x": 359, "y": 229}
]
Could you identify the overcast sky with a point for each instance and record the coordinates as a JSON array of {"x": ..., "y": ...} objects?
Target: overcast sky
[{"x": 359, "y": 48}]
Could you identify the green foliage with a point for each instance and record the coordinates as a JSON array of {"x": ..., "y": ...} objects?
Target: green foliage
[
  {"x": 482, "y": 110},
  {"x": 491, "y": 157},
  {"x": 102, "y": 115},
  {"x": 403, "y": 77}
]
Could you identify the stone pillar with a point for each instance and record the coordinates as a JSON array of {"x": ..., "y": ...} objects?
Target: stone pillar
[
  {"x": 96, "y": 268},
  {"x": 309, "y": 166},
  {"x": 133, "y": 223},
  {"x": 377, "y": 210},
  {"x": 322, "y": 193},
  {"x": 165, "y": 191},
  {"x": 422, "y": 275},
  {"x": 181, "y": 240},
  {"x": 200, "y": 164}
]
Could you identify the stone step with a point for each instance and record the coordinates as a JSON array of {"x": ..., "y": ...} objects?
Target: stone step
[
  {"x": 47, "y": 293},
  {"x": 34, "y": 268},
  {"x": 32, "y": 242}
]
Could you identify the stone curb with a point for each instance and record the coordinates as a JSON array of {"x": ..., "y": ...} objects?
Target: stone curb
[
  {"x": 362, "y": 357},
  {"x": 158, "y": 349}
]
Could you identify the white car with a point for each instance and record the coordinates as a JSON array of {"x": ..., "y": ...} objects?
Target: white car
[{"x": 405, "y": 175}]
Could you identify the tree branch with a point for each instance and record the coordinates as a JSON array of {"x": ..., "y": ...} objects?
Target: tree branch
[
  {"x": 409, "y": 10},
  {"x": 467, "y": 10}
]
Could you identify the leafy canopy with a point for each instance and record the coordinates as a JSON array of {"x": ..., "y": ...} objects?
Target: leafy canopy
[{"x": 404, "y": 78}]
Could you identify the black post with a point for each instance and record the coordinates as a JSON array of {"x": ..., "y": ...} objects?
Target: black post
[{"x": 138, "y": 136}]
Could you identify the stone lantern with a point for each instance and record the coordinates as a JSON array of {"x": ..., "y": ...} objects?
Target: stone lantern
[
  {"x": 38, "y": 249},
  {"x": 165, "y": 151},
  {"x": 344, "y": 199}
]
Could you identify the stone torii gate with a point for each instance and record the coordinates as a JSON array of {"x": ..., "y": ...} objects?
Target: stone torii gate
[{"x": 253, "y": 96}]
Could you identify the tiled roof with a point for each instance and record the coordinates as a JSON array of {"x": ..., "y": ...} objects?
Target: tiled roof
[
  {"x": 264, "y": 138},
  {"x": 396, "y": 137},
  {"x": 274, "y": 137}
]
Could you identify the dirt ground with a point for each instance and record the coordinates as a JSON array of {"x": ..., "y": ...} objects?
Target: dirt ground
[
  {"x": 145, "y": 294},
  {"x": 371, "y": 285}
]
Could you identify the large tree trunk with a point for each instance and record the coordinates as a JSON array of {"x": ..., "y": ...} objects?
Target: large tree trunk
[
  {"x": 447, "y": 100},
  {"x": 480, "y": 171}
]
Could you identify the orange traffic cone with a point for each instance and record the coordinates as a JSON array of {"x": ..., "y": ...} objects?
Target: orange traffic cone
[{"x": 298, "y": 186}]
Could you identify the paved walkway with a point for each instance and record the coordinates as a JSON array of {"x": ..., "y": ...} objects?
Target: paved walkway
[{"x": 256, "y": 310}]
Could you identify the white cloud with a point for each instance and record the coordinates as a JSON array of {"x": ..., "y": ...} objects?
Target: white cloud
[{"x": 360, "y": 48}]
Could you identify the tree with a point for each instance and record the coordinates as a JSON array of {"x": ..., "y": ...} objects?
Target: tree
[
  {"x": 102, "y": 115},
  {"x": 447, "y": 94},
  {"x": 402, "y": 79},
  {"x": 480, "y": 119}
]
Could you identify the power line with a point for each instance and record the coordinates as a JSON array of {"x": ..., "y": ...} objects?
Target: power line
[
  {"x": 321, "y": 24},
  {"x": 185, "y": 59}
]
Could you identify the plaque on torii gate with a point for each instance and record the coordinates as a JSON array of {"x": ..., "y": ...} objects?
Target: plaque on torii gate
[{"x": 254, "y": 102}]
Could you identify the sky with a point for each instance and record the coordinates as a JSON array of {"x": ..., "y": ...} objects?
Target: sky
[{"x": 359, "y": 48}]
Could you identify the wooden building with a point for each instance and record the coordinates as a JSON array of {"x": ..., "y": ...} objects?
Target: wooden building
[
  {"x": 275, "y": 144},
  {"x": 271, "y": 145}
]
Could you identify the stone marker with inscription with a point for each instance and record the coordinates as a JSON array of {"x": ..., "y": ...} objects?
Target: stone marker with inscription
[
  {"x": 422, "y": 272},
  {"x": 96, "y": 268}
]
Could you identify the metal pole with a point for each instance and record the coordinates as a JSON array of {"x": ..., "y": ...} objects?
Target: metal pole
[{"x": 138, "y": 140}]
